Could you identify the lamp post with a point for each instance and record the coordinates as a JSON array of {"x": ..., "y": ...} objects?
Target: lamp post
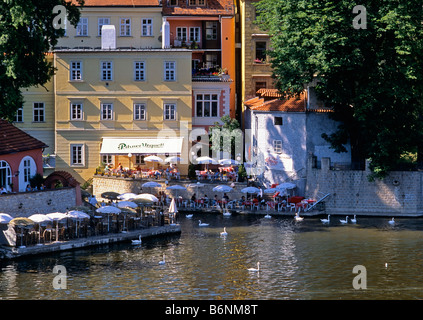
[{"x": 130, "y": 158}]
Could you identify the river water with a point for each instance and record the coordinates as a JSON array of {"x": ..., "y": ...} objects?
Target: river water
[{"x": 298, "y": 260}]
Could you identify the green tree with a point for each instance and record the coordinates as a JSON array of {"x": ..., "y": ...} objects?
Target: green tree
[
  {"x": 371, "y": 77},
  {"x": 226, "y": 137},
  {"x": 26, "y": 35}
]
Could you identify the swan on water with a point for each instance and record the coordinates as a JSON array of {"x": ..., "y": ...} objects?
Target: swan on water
[
  {"x": 392, "y": 221},
  {"x": 137, "y": 241},
  {"x": 223, "y": 233},
  {"x": 326, "y": 220},
  {"x": 297, "y": 217},
  {"x": 189, "y": 216},
  {"x": 163, "y": 261},
  {"x": 344, "y": 221},
  {"x": 255, "y": 269},
  {"x": 267, "y": 216},
  {"x": 202, "y": 224},
  {"x": 354, "y": 220},
  {"x": 227, "y": 213}
]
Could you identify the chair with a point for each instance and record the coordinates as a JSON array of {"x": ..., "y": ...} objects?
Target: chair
[
  {"x": 291, "y": 206},
  {"x": 255, "y": 205}
]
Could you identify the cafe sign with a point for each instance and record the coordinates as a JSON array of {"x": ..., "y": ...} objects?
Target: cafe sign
[{"x": 141, "y": 146}]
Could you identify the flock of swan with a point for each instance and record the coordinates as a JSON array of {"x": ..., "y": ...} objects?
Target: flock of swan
[{"x": 224, "y": 233}]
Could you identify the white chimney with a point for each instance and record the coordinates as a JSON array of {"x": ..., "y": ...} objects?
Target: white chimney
[
  {"x": 108, "y": 37},
  {"x": 165, "y": 34}
]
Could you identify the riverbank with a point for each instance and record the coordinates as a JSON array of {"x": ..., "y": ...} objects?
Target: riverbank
[{"x": 58, "y": 246}]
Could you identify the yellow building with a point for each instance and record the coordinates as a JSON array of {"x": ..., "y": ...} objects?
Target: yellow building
[{"x": 115, "y": 81}]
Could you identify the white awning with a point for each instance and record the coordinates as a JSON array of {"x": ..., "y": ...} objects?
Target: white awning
[{"x": 141, "y": 146}]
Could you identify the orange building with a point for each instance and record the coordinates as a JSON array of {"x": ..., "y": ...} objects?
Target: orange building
[{"x": 207, "y": 28}]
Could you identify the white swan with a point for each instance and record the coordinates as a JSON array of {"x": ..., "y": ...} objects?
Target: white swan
[
  {"x": 268, "y": 216},
  {"x": 326, "y": 220},
  {"x": 163, "y": 261},
  {"x": 189, "y": 216},
  {"x": 223, "y": 233},
  {"x": 344, "y": 221},
  {"x": 354, "y": 220},
  {"x": 227, "y": 213},
  {"x": 392, "y": 221},
  {"x": 202, "y": 224},
  {"x": 298, "y": 218},
  {"x": 139, "y": 241},
  {"x": 255, "y": 269}
]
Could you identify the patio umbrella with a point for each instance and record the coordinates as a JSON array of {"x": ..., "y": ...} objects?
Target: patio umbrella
[
  {"x": 206, "y": 160},
  {"x": 176, "y": 187},
  {"x": 127, "y": 204},
  {"x": 172, "y": 208},
  {"x": 22, "y": 223},
  {"x": 286, "y": 185},
  {"x": 173, "y": 159},
  {"x": 228, "y": 161},
  {"x": 151, "y": 184},
  {"x": 78, "y": 216},
  {"x": 111, "y": 195},
  {"x": 153, "y": 159},
  {"x": 127, "y": 196},
  {"x": 147, "y": 196},
  {"x": 270, "y": 190},
  {"x": 57, "y": 216},
  {"x": 40, "y": 218},
  {"x": 5, "y": 218},
  {"x": 108, "y": 210},
  {"x": 250, "y": 190},
  {"x": 222, "y": 188}
]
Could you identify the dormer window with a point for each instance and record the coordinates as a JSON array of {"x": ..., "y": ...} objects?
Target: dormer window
[
  {"x": 172, "y": 3},
  {"x": 197, "y": 2}
]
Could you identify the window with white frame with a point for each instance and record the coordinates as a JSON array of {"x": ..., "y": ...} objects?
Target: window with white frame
[
  {"x": 76, "y": 154},
  {"x": 106, "y": 111},
  {"x": 19, "y": 115},
  {"x": 147, "y": 27},
  {"x": 76, "y": 111},
  {"x": 194, "y": 34},
  {"x": 76, "y": 70},
  {"x": 82, "y": 27},
  {"x": 169, "y": 70},
  {"x": 277, "y": 146},
  {"x": 125, "y": 27},
  {"x": 181, "y": 33},
  {"x": 139, "y": 111},
  {"x": 102, "y": 22},
  {"x": 139, "y": 71},
  {"x": 106, "y": 70},
  {"x": 26, "y": 170},
  {"x": 38, "y": 112},
  {"x": 169, "y": 111},
  {"x": 107, "y": 158},
  {"x": 207, "y": 105}
]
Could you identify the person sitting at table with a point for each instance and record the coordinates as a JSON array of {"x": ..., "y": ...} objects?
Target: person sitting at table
[
  {"x": 167, "y": 172},
  {"x": 206, "y": 199},
  {"x": 158, "y": 173},
  {"x": 119, "y": 168},
  {"x": 177, "y": 173},
  {"x": 193, "y": 198},
  {"x": 28, "y": 187},
  {"x": 215, "y": 201},
  {"x": 215, "y": 176},
  {"x": 241, "y": 201},
  {"x": 3, "y": 190}
]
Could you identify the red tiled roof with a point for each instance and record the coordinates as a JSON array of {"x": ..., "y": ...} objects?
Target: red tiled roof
[
  {"x": 273, "y": 93},
  {"x": 296, "y": 104},
  {"x": 13, "y": 139},
  {"x": 212, "y": 7},
  {"x": 119, "y": 3}
]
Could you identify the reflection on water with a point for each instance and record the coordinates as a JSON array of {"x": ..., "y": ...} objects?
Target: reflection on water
[{"x": 298, "y": 260}]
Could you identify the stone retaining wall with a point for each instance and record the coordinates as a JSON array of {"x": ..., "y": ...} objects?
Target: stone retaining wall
[{"x": 24, "y": 204}]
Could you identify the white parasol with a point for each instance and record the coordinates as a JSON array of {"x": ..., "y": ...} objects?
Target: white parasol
[
  {"x": 127, "y": 196},
  {"x": 5, "y": 218}
]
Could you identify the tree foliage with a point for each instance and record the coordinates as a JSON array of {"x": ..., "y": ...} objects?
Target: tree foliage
[
  {"x": 226, "y": 137},
  {"x": 26, "y": 35},
  {"x": 371, "y": 77}
]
